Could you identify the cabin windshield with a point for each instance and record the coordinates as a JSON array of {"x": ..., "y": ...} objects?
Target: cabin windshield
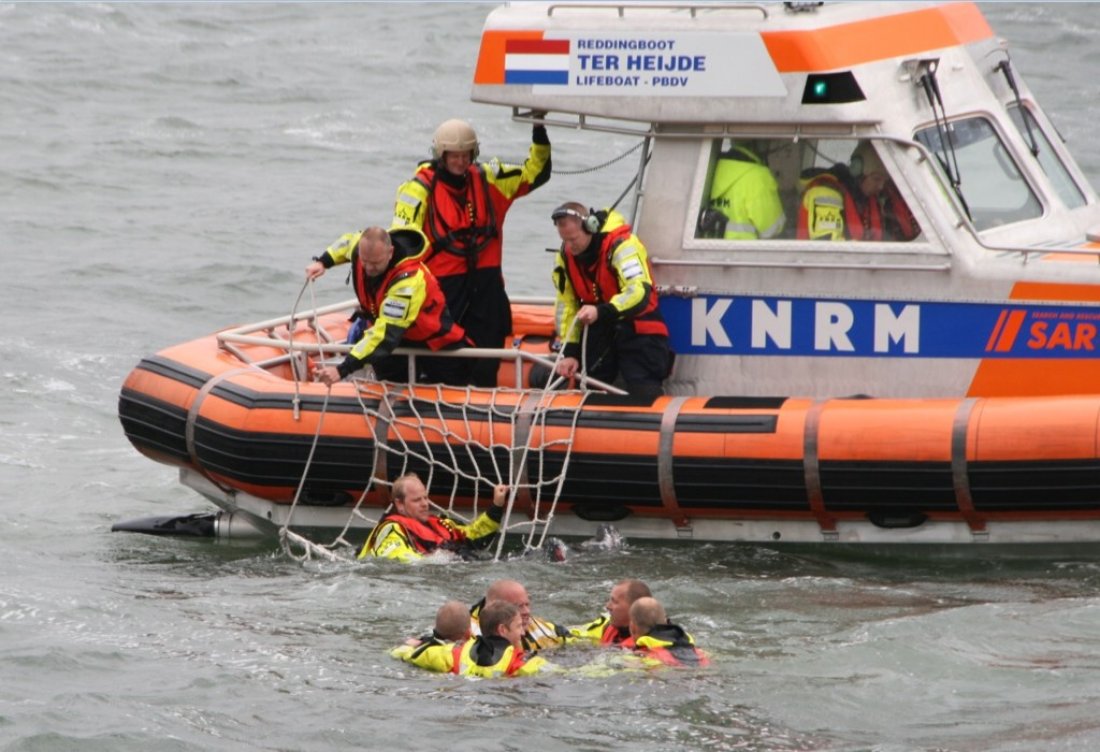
[
  {"x": 990, "y": 181},
  {"x": 809, "y": 189},
  {"x": 1068, "y": 191}
]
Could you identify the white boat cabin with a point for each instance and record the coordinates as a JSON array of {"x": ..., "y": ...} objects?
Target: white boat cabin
[{"x": 995, "y": 290}]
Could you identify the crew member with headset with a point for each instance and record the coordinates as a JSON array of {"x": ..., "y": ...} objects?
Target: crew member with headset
[
  {"x": 857, "y": 201},
  {"x": 400, "y": 303},
  {"x": 460, "y": 205},
  {"x": 602, "y": 280}
]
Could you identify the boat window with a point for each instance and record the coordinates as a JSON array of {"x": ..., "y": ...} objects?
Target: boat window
[
  {"x": 1068, "y": 190},
  {"x": 989, "y": 179},
  {"x": 828, "y": 189},
  {"x": 742, "y": 200}
]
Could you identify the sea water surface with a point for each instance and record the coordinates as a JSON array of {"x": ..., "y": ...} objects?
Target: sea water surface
[{"x": 167, "y": 170}]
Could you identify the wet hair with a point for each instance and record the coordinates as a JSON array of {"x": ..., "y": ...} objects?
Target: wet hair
[
  {"x": 452, "y": 621},
  {"x": 646, "y": 613},
  {"x": 495, "y": 615},
  {"x": 635, "y": 589},
  {"x": 399, "y": 485}
]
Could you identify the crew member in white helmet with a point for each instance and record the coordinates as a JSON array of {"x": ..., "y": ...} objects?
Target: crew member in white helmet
[{"x": 460, "y": 205}]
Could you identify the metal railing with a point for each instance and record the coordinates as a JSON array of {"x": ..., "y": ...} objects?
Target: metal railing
[{"x": 279, "y": 333}]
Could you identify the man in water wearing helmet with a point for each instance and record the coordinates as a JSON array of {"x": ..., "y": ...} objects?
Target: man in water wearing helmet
[
  {"x": 602, "y": 280},
  {"x": 460, "y": 205},
  {"x": 857, "y": 201}
]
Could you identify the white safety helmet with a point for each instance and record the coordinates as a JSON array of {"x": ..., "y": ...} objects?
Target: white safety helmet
[{"x": 455, "y": 135}]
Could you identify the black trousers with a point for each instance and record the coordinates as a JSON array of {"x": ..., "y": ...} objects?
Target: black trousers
[{"x": 642, "y": 361}]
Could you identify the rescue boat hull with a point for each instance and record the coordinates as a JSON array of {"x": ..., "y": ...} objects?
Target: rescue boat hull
[{"x": 709, "y": 468}]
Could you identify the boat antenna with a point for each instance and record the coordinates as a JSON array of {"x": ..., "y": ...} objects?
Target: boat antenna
[
  {"x": 947, "y": 144},
  {"x": 1005, "y": 67}
]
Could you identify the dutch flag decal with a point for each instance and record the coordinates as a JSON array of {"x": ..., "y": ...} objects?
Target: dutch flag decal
[{"x": 536, "y": 61}]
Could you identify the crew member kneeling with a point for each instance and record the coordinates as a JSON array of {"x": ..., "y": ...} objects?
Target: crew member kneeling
[
  {"x": 399, "y": 302},
  {"x": 412, "y": 531},
  {"x": 603, "y": 281}
]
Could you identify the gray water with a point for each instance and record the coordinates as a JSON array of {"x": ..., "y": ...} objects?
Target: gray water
[{"x": 168, "y": 170}]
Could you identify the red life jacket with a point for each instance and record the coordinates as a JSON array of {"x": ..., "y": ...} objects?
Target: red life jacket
[
  {"x": 613, "y": 635},
  {"x": 425, "y": 536},
  {"x": 867, "y": 220},
  {"x": 678, "y": 655},
  {"x": 669, "y": 644},
  {"x": 862, "y": 220},
  {"x": 433, "y": 326},
  {"x": 598, "y": 283},
  {"x": 462, "y": 227},
  {"x": 900, "y": 223}
]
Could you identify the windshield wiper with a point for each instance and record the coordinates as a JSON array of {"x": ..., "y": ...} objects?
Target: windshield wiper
[
  {"x": 947, "y": 144},
  {"x": 1005, "y": 67}
]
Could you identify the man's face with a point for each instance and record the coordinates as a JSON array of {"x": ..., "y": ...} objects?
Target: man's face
[
  {"x": 572, "y": 234},
  {"x": 513, "y": 631},
  {"x": 375, "y": 256},
  {"x": 517, "y": 596},
  {"x": 872, "y": 183},
  {"x": 415, "y": 503},
  {"x": 618, "y": 606},
  {"x": 457, "y": 162}
]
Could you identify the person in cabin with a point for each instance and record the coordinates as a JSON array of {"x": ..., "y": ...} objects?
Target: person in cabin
[
  {"x": 602, "y": 280},
  {"x": 498, "y": 650},
  {"x": 400, "y": 303},
  {"x": 658, "y": 642},
  {"x": 460, "y": 205},
  {"x": 411, "y": 531},
  {"x": 436, "y": 651},
  {"x": 744, "y": 201},
  {"x": 538, "y": 634},
  {"x": 612, "y": 629},
  {"x": 857, "y": 201}
]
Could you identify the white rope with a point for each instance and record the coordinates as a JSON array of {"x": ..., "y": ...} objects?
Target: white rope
[{"x": 418, "y": 436}]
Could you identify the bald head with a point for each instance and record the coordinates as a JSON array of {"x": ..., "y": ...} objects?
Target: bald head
[
  {"x": 452, "y": 621},
  {"x": 645, "y": 614},
  {"x": 375, "y": 250},
  {"x": 512, "y": 592}
]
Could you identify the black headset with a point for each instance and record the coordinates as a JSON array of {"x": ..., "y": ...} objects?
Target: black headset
[{"x": 590, "y": 222}]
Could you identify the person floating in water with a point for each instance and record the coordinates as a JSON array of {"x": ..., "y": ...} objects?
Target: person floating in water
[{"x": 411, "y": 531}]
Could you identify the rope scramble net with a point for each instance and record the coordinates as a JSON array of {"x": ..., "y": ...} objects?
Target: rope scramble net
[{"x": 462, "y": 442}]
